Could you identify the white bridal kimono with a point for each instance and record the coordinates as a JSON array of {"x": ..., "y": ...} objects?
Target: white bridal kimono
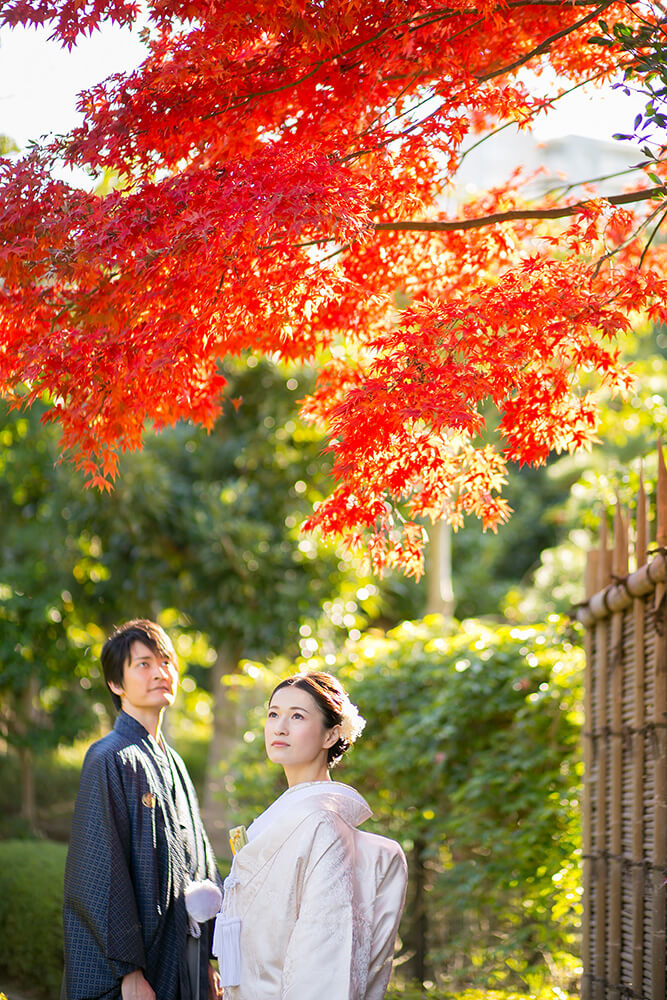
[{"x": 318, "y": 901}]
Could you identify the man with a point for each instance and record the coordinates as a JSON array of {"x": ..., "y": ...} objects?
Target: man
[{"x": 137, "y": 844}]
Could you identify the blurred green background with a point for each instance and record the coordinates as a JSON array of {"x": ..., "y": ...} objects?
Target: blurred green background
[{"x": 471, "y": 753}]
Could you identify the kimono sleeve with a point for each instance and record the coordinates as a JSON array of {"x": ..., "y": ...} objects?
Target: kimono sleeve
[
  {"x": 323, "y": 950},
  {"x": 103, "y": 939},
  {"x": 387, "y": 910}
]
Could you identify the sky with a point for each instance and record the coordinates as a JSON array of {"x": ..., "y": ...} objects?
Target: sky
[
  {"x": 39, "y": 83},
  {"x": 39, "y": 80}
]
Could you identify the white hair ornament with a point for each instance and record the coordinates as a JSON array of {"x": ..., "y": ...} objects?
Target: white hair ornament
[{"x": 352, "y": 724}]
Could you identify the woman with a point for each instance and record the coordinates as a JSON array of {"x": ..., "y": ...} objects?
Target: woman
[{"x": 312, "y": 904}]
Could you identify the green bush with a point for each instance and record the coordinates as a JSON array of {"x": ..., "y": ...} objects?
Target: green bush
[
  {"x": 31, "y": 892},
  {"x": 56, "y": 782},
  {"x": 57, "y": 774},
  {"x": 407, "y": 991},
  {"x": 471, "y": 759}
]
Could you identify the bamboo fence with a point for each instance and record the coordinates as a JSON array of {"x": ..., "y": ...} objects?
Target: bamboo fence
[{"x": 625, "y": 758}]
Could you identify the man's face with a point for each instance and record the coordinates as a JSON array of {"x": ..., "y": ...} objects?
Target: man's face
[{"x": 150, "y": 680}]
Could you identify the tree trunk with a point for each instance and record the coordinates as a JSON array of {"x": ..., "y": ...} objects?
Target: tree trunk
[
  {"x": 28, "y": 798},
  {"x": 26, "y": 715},
  {"x": 417, "y": 943},
  {"x": 440, "y": 599},
  {"x": 227, "y": 725}
]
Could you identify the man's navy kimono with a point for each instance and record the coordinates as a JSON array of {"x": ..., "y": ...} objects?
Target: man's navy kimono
[{"x": 137, "y": 840}]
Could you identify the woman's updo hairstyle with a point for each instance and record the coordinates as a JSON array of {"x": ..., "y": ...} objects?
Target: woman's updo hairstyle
[{"x": 335, "y": 706}]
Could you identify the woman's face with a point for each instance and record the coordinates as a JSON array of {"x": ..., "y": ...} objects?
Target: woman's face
[{"x": 296, "y": 736}]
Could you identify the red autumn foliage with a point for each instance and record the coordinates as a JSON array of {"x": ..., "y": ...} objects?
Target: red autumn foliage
[{"x": 267, "y": 150}]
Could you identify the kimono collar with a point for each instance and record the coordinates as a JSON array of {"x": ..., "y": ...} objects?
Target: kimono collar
[
  {"x": 126, "y": 726},
  {"x": 311, "y": 796}
]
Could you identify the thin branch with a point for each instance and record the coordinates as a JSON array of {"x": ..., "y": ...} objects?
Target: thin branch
[
  {"x": 489, "y": 135},
  {"x": 649, "y": 24},
  {"x": 482, "y": 79},
  {"x": 392, "y": 121},
  {"x": 413, "y": 79},
  {"x": 401, "y": 135},
  {"x": 651, "y": 238},
  {"x": 341, "y": 249},
  {"x": 395, "y": 137},
  {"x": 444, "y": 14},
  {"x": 564, "y": 189},
  {"x": 626, "y": 242},
  {"x": 545, "y": 45},
  {"x": 246, "y": 98},
  {"x": 436, "y": 226},
  {"x": 551, "y": 100}
]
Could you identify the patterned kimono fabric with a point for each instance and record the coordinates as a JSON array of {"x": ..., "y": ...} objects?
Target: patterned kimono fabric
[
  {"x": 313, "y": 902},
  {"x": 137, "y": 841}
]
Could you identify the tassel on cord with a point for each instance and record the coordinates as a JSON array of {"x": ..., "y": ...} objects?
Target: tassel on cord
[
  {"x": 202, "y": 901},
  {"x": 227, "y": 949}
]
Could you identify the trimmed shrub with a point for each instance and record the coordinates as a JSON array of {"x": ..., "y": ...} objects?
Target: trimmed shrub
[
  {"x": 31, "y": 893},
  {"x": 407, "y": 991}
]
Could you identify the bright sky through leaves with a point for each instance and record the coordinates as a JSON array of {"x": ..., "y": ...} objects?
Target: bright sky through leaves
[
  {"x": 40, "y": 82},
  {"x": 449, "y": 342}
]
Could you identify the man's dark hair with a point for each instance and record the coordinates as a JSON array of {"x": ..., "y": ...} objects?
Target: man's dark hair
[{"x": 115, "y": 653}]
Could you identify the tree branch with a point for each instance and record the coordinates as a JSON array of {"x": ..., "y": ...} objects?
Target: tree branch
[
  {"x": 436, "y": 16},
  {"x": 481, "y": 79},
  {"x": 545, "y": 45},
  {"x": 549, "y": 100},
  {"x": 437, "y": 226},
  {"x": 651, "y": 238},
  {"x": 630, "y": 239},
  {"x": 562, "y": 189}
]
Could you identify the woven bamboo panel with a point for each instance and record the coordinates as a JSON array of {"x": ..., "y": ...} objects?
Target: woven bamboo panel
[
  {"x": 625, "y": 759},
  {"x": 621, "y": 785}
]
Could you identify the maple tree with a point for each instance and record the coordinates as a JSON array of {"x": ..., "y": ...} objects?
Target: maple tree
[{"x": 283, "y": 166}]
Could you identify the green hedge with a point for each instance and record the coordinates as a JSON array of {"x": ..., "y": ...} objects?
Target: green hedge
[
  {"x": 407, "y": 991},
  {"x": 31, "y": 887},
  {"x": 31, "y": 893},
  {"x": 56, "y": 783},
  {"x": 471, "y": 759}
]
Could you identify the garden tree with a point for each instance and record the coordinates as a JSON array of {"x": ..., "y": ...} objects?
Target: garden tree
[
  {"x": 44, "y": 672},
  {"x": 628, "y": 431},
  {"x": 213, "y": 518},
  {"x": 535, "y": 565},
  {"x": 283, "y": 164},
  {"x": 201, "y": 527},
  {"x": 470, "y": 758},
  {"x": 208, "y": 525},
  {"x": 644, "y": 48},
  {"x": 487, "y": 565}
]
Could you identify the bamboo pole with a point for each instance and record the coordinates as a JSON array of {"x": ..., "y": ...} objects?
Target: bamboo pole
[
  {"x": 661, "y": 513},
  {"x": 592, "y": 573},
  {"x": 615, "y": 722},
  {"x": 600, "y": 680},
  {"x": 638, "y": 719},
  {"x": 617, "y": 596},
  {"x": 660, "y": 762}
]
